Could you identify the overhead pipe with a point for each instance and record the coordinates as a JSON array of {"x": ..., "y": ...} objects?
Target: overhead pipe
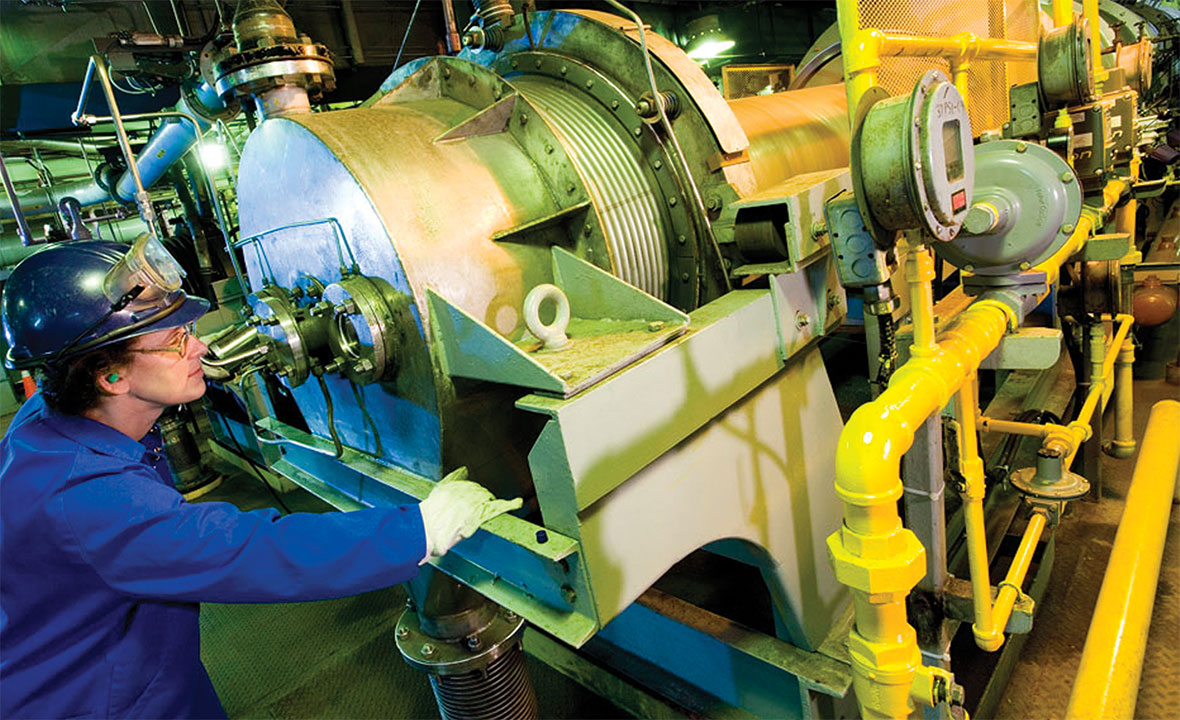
[
  {"x": 168, "y": 144},
  {"x": 1107, "y": 683}
]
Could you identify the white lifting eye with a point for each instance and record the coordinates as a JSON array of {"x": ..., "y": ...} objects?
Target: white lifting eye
[{"x": 553, "y": 334}]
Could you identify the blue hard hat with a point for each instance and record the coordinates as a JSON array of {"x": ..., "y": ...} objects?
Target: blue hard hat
[{"x": 73, "y": 297}]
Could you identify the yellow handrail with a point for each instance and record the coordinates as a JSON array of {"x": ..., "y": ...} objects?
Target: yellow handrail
[{"x": 1108, "y": 678}]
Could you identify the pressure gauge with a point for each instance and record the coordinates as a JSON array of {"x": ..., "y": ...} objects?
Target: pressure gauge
[{"x": 914, "y": 163}]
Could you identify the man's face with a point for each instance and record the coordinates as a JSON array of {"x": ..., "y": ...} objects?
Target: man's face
[{"x": 165, "y": 369}]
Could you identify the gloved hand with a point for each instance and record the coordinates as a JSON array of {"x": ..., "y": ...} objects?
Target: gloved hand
[{"x": 455, "y": 509}]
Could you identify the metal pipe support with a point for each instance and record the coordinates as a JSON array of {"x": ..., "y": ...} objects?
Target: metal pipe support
[
  {"x": 22, "y": 225},
  {"x": 1107, "y": 682},
  {"x": 873, "y": 553},
  {"x": 97, "y": 66}
]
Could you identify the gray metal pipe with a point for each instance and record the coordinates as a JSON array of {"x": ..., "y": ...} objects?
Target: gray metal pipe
[{"x": 22, "y": 226}]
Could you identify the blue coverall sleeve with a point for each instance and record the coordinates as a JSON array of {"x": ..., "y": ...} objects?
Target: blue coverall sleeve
[{"x": 144, "y": 540}]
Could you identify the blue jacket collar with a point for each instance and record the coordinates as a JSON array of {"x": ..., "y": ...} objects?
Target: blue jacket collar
[{"x": 95, "y": 435}]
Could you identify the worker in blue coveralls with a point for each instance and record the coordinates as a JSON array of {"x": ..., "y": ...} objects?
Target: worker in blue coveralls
[{"x": 102, "y": 562}]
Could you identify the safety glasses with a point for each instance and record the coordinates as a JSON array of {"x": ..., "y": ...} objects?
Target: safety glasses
[{"x": 179, "y": 345}]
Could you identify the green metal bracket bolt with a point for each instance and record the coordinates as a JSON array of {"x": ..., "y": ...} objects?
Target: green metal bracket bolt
[
  {"x": 403, "y": 633},
  {"x": 473, "y": 642},
  {"x": 569, "y": 594},
  {"x": 1067, "y": 228},
  {"x": 427, "y": 650}
]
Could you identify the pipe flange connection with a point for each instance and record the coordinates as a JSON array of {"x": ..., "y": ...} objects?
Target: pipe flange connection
[
  {"x": 457, "y": 656},
  {"x": 297, "y": 334},
  {"x": 254, "y": 71},
  {"x": 366, "y": 332}
]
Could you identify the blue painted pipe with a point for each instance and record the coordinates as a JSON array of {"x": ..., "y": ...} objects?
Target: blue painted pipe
[{"x": 167, "y": 145}]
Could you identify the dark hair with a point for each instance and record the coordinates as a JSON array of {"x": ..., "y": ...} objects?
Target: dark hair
[{"x": 71, "y": 386}]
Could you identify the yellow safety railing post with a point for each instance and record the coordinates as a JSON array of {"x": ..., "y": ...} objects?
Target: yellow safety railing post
[{"x": 1108, "y": 679}]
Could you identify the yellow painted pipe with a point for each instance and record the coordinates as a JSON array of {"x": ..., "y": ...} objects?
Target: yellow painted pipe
[
  {"x": 920, "y": 276},
  {"x": 1062, "y": 12},
  {"x": 1123, "y": 445},
  {"x": 971, "y": 466},
  {"x": 962, "y": 79},
  {"x": 1090, "y": 10},
  {"x": 1010, "y": 587},
  {"x": 1079, "y": 430},
  {"x": 963, "y": 46},
  {"x": 1066, "y": 439},
  {"x": 1108, "y": 679},
  {"x": 1093, "y": 218},
  {"x": 1011, "y": 427},
  {"x": 858, "y": 53},
  {"x": 872, "y": 553}
]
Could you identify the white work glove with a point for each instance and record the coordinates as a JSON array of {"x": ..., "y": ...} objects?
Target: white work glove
[{"x": 455, "y": 509}]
